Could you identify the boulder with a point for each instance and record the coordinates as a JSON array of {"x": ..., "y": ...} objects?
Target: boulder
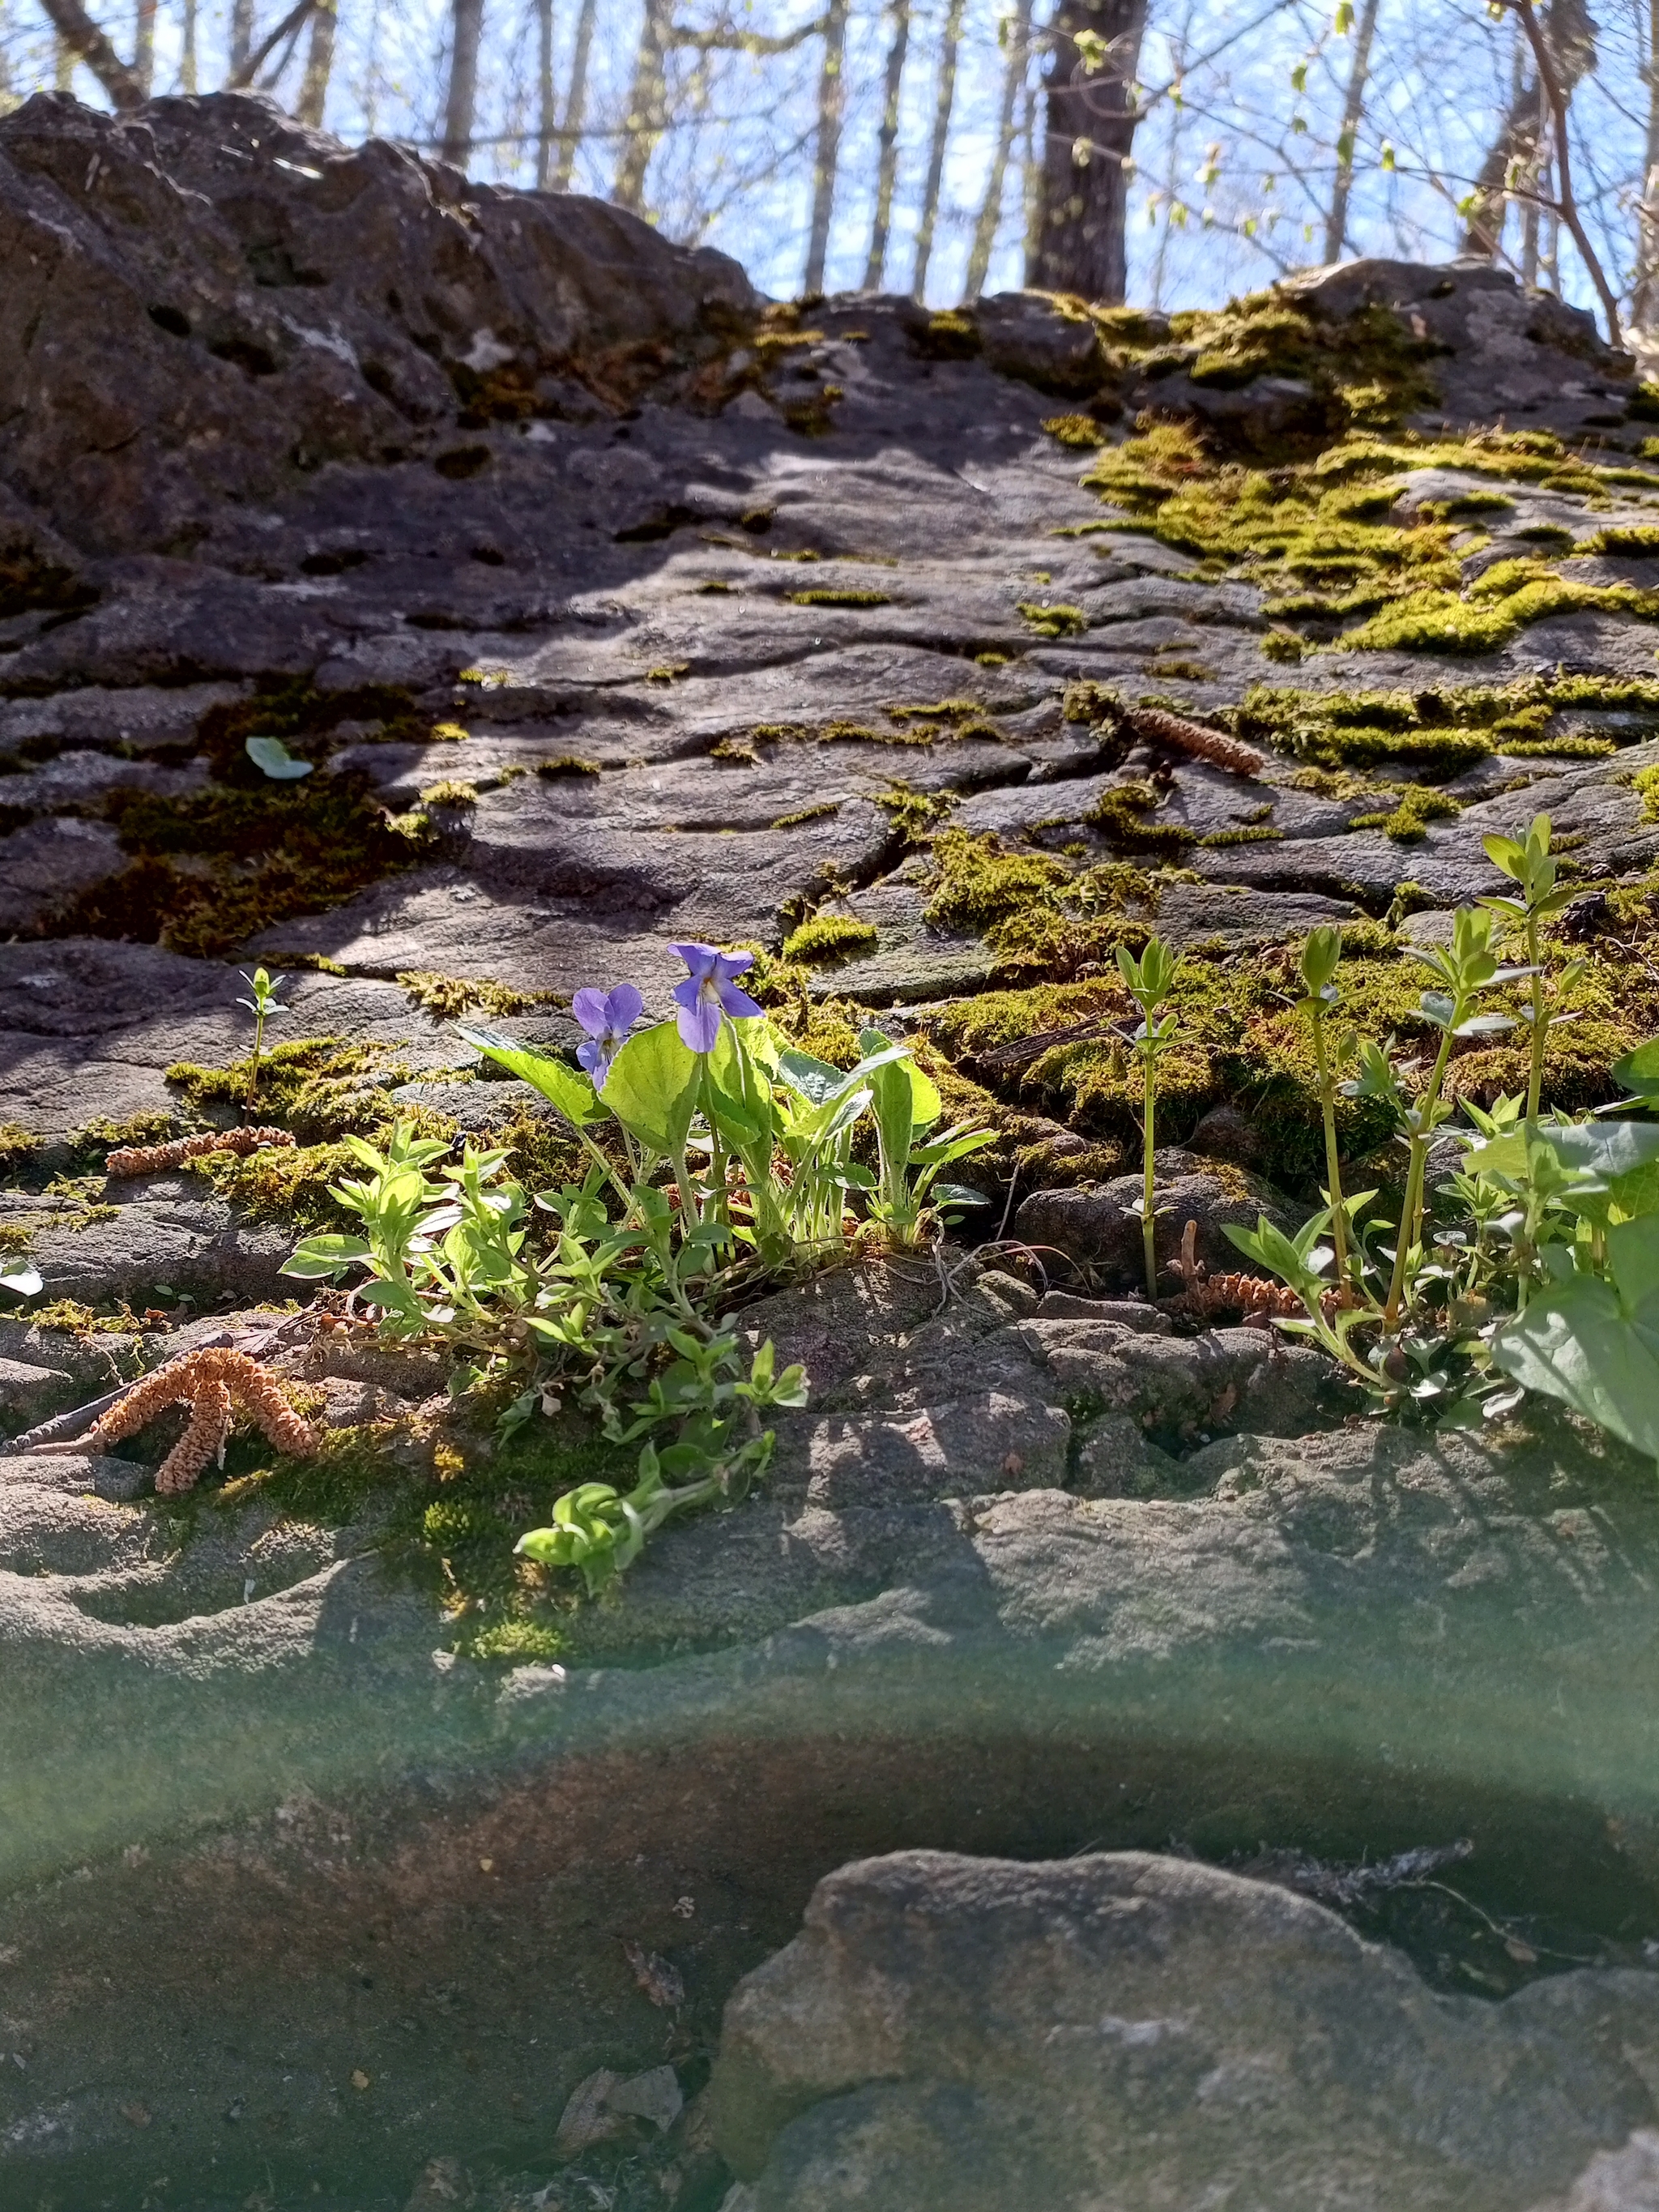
[
  {"x": 209, "y": 301},
  {"x": 974, "y": 2034}
]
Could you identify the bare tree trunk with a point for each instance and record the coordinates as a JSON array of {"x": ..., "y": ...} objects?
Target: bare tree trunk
[
  {"x": 547, "y": 106},
  {"x": 143, "y": 46},
  {"x": 82, "y": 36},
  {"x": 944, "y": 100},
  {"x": 1558, "y": 95},
  {"x": 1570, "y": 36},
  {"x": 467, "y": 28},
  {"x": 1644, "y": 300},
  {"x": 575, "y": 101},
  {"x": 1031, "y": 184},
  {"x": 187, "y": 49},
  {"x": 64, "y": 58},
  {"x": 1090, "y": 127},
  {"x": 831, "y": 99},
  {"x": 647, "y": 109},
  {"x": 1353, "y": 109},
  {"x": 241, "y": 35},
  {"x": 887, "y": 147},
  {"x": 1535, "y": 188},
  {"x": 990, "y": 214},
  {"x": 319, "y": 64}
]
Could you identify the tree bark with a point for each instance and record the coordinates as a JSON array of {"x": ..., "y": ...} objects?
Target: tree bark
[
  {"x": 575, "y": 101},
  {"x": 647, "y": 114},
  {"x": 143, "y": 46},
  {"x": 83, "y": 38},
  {"x": 319, "y": 64},
  {"x": 944, "y": 100},
  {"x": 887, "y": 147},
  {"x": 547, "y": 105},
  {"x": 1571, "y": 37},
  {"x": 1558, "y": 95},
  {"x": 990, "y": 214},
  {"x": 241, "y": 37},
  {"x": 832, "y": 91},
  {"x": 1353, "y": 109},
  {"x": 1091, "y": 124},
  {"x": 187, "y": 50},
  {"x": 1644, "y": 300},
  {"x": 466, "y": 30}
]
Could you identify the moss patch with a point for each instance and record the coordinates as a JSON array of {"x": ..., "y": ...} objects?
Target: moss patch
[
  {"x": 827, "y": 940},
  {"x": 319, "y": 1089},
  {"x": 1441, "y": 731},
  {"x": 829, "y": 595},
  {"x": 450, "y": 998}
]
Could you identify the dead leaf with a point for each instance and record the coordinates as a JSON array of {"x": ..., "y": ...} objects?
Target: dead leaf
[
  {"x": 359, "y": 2078},
  {"x": 586, "y": 2120},
  {"x": 660, "y": 1982},
  {"x": 1522, "y": 1954},
  {"x": 135, "y": 2115}
]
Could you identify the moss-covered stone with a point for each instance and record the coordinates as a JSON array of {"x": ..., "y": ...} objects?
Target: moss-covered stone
[{"x": 827, "y": 939}]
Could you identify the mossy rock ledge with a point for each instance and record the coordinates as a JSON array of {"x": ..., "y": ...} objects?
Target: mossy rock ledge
[{"x": 927, "y": 655}]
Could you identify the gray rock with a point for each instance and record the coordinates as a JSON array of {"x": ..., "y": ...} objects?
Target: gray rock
[
  {"x": 1096, "y": 1222},
  {"x": 240, "y": 272},
  {"x": 979, "y": 2033}
]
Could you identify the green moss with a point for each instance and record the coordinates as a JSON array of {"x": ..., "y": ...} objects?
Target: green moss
[
  {"x": 1438, "y": 733},
  {"x": 827, "y": 940},
  {"x": 1407, "y": 821},
  {"x": 954, "y": 712},
  {"x": 1562, "y": 748},
  {"x": 318, "y": 1088},
  {"x": 450, "y": 792},
  {"x": 449, "y": 998},
  {"x": 1118, "y": 815},
  {"x": 1645, "y": 784},
  {"x": 14, "y": 1239},
  {"x": 829, "y": 595},
  {"x": 1037, "y": 917},
  {"x": 1636, "y": 541},
  {"x": 1496, "y": 611},
  {"x": 822, "y": 812},
  {"x": 18, "y": 1147},
  {"x": 978, "y": 882},
  {"x": 285, "y": 1184},
  {"x": 1057, "y": 621},
  {"x": 1078, "y": 431},
  {"x": 568, "y": 765},
  {"x": 1251, "y": 834},
  {"x": 947, "y": 335}
]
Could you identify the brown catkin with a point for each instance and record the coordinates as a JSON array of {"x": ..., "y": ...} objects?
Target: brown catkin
[
  {"x": 202, "y": 1441},
  {"x": 1194, "y": 740},
  {"x": 150, "y": 1159},
  {"x": 211, "y": 1382}
]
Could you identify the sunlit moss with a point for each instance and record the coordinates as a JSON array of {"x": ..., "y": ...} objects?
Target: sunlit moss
[{"x": 828, "y": 939}]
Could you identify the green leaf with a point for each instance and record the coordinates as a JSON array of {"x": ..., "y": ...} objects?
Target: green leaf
[
  {"x": 1639, "y": 1070},
  {"x": 1575, "y": 1343},
  {"x": 652, "y": 1088},
  {"x": 272, "y": 759},
  {"x": 319, "y": 1257},
  {"x": 567, "y": 1088}
]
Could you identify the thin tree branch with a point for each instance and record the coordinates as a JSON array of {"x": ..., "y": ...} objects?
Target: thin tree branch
[
  {"x": 239, "y": 80},
  {"x": 1551, "y": 84},
  {"x": 82, "y": 36}
]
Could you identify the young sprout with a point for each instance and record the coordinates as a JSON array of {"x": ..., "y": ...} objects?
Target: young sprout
[
  {"x": 1321, "y": 954},
  {"x": 263, "y": 1005},
  {"x": 1465, "y": 967},
  {"x": 1148, "y": 981},
  {"x": 1530, "y": 866}
]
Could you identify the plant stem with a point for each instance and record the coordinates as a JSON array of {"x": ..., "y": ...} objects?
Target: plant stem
[
  {"x": 1148, "y": 1226},
  {"x": 1333, "y": 1166},
  {"x": 1535, "y": 1076},
  {"x": 259, "y": 1040},
  {"x": 1411, "y": 1211}
]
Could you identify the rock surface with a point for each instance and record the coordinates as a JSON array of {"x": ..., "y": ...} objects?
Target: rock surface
[
  {"x": 621, "y": 598},
  {"x": 975, "y": 2033}
]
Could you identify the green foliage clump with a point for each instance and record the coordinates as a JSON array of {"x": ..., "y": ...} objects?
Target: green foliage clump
[
  {"x": 1640, "y": 541},
  {"x": 828, "y": 939},
  {"x": 568, "y": 764},
  {"x": 1079, "y": 431},
  {"x": 451, "y": 791},
  {"x": 1119, "y": 814},
  {"x": 1438, "y": 733}
]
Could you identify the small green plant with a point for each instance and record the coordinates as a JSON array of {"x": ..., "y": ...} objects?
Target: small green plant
[
  {"x": 1321, "y": 955},
  {"x": 1149, "y": 982},
  {"x": 1529, "y": 865},
  {"x": 719, "y": 1159},
  {"x": 264, "y": 1006}
]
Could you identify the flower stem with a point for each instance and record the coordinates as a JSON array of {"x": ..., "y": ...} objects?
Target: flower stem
[
  {"x": 1333, "y": 1164},
  {"x": 1539, "y": 1027}
]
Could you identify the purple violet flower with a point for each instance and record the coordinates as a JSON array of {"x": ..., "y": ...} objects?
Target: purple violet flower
[
  {"x": 607, "y": 1017},
  {"x": 708, "y": 991}
]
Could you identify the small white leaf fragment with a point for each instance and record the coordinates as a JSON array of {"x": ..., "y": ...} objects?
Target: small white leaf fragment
[{"x": 272, "y": 757}]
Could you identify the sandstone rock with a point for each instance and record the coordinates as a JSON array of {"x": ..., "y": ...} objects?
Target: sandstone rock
[
  {"x": 1027, "y": 335},
  {"x": 974, "y": 2032}
]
